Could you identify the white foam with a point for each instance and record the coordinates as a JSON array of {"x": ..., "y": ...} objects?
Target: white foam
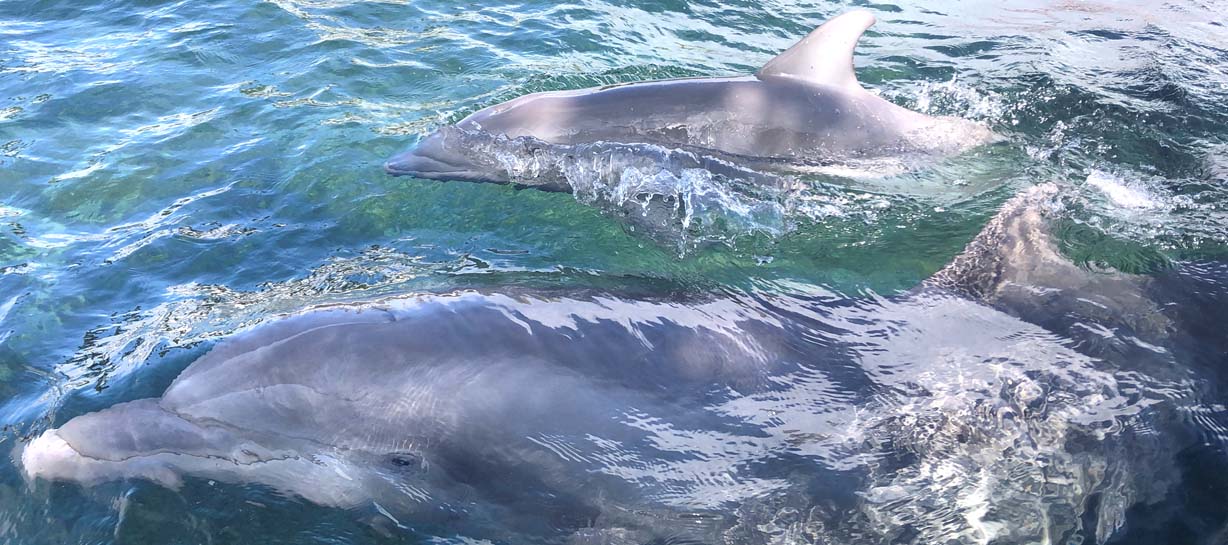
[{"x": 1121, "y": 192}]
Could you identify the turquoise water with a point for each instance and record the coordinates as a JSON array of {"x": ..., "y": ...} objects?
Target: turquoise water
[{"x": 173, "y": 172}]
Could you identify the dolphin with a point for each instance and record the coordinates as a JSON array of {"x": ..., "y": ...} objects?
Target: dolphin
[
  {"x": 804, "y": 109},
  {"x": 542, "y": 417}
]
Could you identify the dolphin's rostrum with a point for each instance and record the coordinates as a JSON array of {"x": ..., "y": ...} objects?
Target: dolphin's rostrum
[{"x": 803, "y": 109}]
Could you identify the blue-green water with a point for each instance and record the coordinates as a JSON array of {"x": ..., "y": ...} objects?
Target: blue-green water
[{"x": 173, "y": 172}]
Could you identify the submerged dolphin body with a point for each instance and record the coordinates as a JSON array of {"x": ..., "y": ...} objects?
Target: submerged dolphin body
[
  {"x": 630, "y": 420},
  {"x": 805, "y": 108}
]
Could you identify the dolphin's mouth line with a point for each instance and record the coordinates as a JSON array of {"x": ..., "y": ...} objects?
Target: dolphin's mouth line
[
  {"x": 392, "y": 169},
  {"x": 160, "y": 452},
  {"x": 165, "y": 451},
  {"x": 415, "y": 173}
]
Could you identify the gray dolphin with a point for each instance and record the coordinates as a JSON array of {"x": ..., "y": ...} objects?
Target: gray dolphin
[
  {"x": 803, "y": 109},
  {"x": 538, "y": 417}
]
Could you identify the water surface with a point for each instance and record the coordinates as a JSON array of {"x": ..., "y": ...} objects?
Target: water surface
[{"x": 172, "y": 172}]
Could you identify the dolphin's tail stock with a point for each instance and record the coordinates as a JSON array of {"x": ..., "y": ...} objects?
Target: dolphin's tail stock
[
  {"x": 1148, "y": 343},
  {"x": 824, "y": 58},
  {"x": 1015, "y": 264}
]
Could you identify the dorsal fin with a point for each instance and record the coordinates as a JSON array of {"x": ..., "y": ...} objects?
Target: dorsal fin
[{"x": 825, "y": 55}]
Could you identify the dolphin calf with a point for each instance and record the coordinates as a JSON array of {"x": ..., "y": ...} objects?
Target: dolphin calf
[
  {"x": 803, "y": 109},
  {"x": 538, "y": 417}
]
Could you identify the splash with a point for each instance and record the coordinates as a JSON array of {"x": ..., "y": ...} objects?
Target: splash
[
  {"x": 680, "y": 198},
  {"x": 1006, "y": 436},
  {"x": 1162, "y": 213},
  {"x": 1121, "y": 192},
  {"x": 675, "y": 195},
  {"x": 953, "y": 97}
]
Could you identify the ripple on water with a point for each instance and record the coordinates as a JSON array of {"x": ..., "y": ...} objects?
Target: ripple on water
[
  {"x": 170, "y": 126},
  {"x": 195, "y": 313},
  {"x": 1174, "y": 215}
]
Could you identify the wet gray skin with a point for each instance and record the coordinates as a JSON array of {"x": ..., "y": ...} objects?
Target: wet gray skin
[
  {"x": 594, "y": 418},
  {"x": 804, "y": 108}
]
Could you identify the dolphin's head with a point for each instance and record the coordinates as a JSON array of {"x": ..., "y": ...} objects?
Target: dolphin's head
[
  {"x": 141, "y": 440},
  {"x": 443, "y": 155}
]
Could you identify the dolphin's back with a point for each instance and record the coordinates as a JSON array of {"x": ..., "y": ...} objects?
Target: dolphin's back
[
  {"x": 770, "y": 118},
  {"x": 374, "y": 378}
]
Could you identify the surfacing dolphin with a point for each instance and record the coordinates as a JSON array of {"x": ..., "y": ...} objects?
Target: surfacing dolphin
[
  {"x": 537, "y": 418},
  {"x": 803, "y": 109}
]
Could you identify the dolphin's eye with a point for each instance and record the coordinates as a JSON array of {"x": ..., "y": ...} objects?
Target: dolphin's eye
[{"x": 404, "y": 459}]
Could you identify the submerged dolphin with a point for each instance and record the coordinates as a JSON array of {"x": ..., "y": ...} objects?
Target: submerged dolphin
[
  {"x": 525, "y": 418},
  {"x": 803, "y": 108}
]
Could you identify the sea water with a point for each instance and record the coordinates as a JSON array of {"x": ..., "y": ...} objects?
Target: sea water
[{"x": 174, "y": 172}]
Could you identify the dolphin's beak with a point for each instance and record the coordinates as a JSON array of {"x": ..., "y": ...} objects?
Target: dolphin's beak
[
  {"x": 412, "y": 163},
  {"x": 419, "y": 160},
  {"x": 47, "y": 456},
  {"x": 432, "y": 159},
  {"x": 128, "y": 440},
  {"x": 444, "y": 155}
]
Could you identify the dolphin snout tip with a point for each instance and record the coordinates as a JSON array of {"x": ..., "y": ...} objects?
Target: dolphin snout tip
[
  {"x": 421, "y": 161},
  {"x": 391, "y": 169},
  {"x": 46, "y": 456},
  {"x": 399, "y": 165}
]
